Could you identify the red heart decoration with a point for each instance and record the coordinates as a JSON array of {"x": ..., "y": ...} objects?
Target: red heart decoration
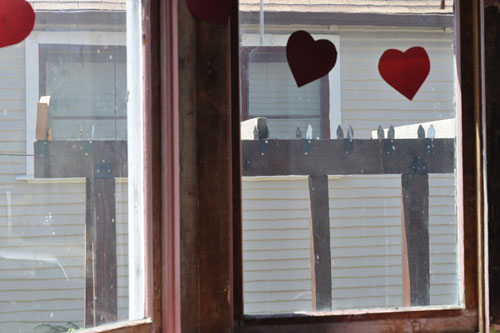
[
  {"x": 17, "y": 19},
  {"x": 405, "y": 71},
  {"x": 308, "y": 59},
  {"x": 216, "y": 11}
]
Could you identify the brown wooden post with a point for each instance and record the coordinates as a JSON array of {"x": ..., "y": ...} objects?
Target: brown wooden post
[
  {"x": 106, "y": 282},
  {"x": 89, "y": 320},
  {"x": 100, "y": 243},
  {"x": 415, "y": 239},
  {"x": 321, "y": 260}
]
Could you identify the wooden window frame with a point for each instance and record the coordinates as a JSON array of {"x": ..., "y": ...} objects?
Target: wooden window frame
[
  {"x": 469, "y": 319},
  {"x": 192, "y": 171},
  {"x": 270, "y": 54},
  {"x": 161, "y": 173}
]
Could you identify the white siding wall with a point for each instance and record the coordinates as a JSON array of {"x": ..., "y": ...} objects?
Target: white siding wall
[
  {"x": 276, "y": 245},
  {"x": 42, "y": 254},
  {"x": 368, "y": 101},
  {"x": 42, "y": 226},
  {"x": 365, "y": 211},
  {"x": 122, "y": 247},
  {"x": 365, "y": 230}
]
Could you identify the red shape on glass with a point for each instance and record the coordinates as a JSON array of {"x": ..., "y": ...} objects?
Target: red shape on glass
[
  {"x": 17, "y": 19},
  {"x": 216, "y": 11},
  {"x": 405, "y": 71},
  {"x": 308, "y": 59}
]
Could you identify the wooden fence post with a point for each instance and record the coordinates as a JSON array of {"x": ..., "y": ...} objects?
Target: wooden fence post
[
  {"x": 321, "y": 260},
  {"x": 415, "y": 243}
]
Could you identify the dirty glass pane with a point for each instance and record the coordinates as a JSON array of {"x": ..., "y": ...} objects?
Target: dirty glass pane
[
  {"x": 349, "y": 173},
  {"x": 65, "y": 184}
]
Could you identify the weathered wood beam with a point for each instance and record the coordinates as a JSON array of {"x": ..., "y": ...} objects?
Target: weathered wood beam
[
  {"x": 415, "y": 244},
  {"x": 321, "y": 260},
  {"x": 106, "y": 281},
  {"x": 492, "y": 121},
  {"x": 75, "y": 158},
  {"x": 328, "y": 157}
]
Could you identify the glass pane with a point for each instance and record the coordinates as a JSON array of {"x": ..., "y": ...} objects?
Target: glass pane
[
  {"x": 349, "y": 173},
  {"x": 88, "y": 89},
  {"x": 68, "y": 98}
]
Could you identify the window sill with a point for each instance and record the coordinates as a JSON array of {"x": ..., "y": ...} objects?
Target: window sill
[{"x": 142, "y": 325}]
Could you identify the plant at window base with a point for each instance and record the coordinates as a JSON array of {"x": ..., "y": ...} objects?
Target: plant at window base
[{"x": 48, "y": 328}]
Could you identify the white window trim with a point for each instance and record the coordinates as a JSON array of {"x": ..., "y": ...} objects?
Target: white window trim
[
  {"x": 335, "y": 113},
  {"x": 32, "y": 44}
]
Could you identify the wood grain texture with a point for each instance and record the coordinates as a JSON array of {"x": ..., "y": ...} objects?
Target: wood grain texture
[
  {"x": 459, "y": 321},
  {"x": 105, "y": 275},
  {"x": 189, "y": 261},
  {"x": 468, "y": 142},
  {"x": 214, "y": 177},
  {"x": 327, "y": 157},
  {"x": 492, "y": 54},
  {"x": 89, "y": 310},
  {"x": 164, "y": 127},
  {"x": 415, "y": 219},
  {"x": 66, "y": 159},
  {"x": 321, "y": 260},
  {"x": 205, "y": 175}
]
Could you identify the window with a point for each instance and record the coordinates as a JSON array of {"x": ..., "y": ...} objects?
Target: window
[
  {"x": 349, "y": 251},
  {"x": 71, "y": 47},
  {"x": 209, "y": 165},
  {"x": 282, "y": 277},
  {"x": 192, "y": 162},
  {"x": 268, "y": 90},
  {"x": 72, "y": 75},
  {"x": 73, "y": 249}
]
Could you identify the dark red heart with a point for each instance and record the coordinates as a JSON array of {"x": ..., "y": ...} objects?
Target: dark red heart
[
  {"x": 405, "y": 71},
  {"x": 216, "y": 11},
  {"x": 17, "y": 19},
  {"x": 308, "y": 59}
]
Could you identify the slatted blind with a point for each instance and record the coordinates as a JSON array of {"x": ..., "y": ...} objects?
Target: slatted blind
[
  {"x": 88, "y": 98},
  {"x": 272, "y": 93}
]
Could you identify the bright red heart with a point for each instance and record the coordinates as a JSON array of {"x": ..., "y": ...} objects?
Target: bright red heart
[
  {"x": 216, "y": 11},
  {"x": 308, "y": 59},
  {"x": 405, "y": 71},
  {"x": 17, "y": 19}
]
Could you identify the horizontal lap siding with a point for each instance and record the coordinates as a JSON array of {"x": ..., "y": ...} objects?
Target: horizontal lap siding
[
  {"x": 41, "y": 255},
  {"x": 368, "y": 101},
  {"x": 276, "y": 246},
  {"x": 365, "y": 230},
  {"x": 42, "y": 226},
  {"x": 122, "y": 248}
]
